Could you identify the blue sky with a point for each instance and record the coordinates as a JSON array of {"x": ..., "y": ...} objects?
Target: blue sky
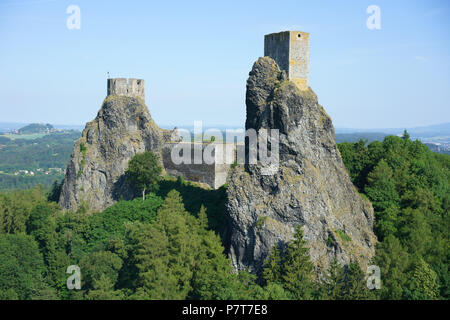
[{"x": 195, "y": 57}]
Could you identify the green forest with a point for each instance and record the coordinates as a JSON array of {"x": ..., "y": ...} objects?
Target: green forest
[
  {"x": 171, "y": 245},
  {"x": 43, "y": 152},
  {"x": 35, "y": 128}
]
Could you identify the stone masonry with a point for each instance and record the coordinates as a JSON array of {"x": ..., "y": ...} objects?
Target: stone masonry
[
  {"x": 213, "y": 174},
  {"x": 290, "y": 50},
  {"x": 127, "y": 87}
]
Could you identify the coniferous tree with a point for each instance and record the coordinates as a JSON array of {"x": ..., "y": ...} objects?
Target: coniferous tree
[
  {"x": 272, "y": 272},
  {"x": 423, "y": 284},
  {"x": 332, "y": 286},
  {"x": 298, "y": 273},
  {"x": 354, "y": 284}
]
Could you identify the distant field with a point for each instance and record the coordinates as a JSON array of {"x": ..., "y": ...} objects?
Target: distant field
[
  {"x": 355, "y": 137},
  {"x": 9, "y": 181},
  {"x": 46, "y": 155},
  {"x": 24, "y": 136},
  {"x": 44, "y": 151}
]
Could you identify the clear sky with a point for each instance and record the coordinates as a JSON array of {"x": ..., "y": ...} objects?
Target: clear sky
[{"x": 195, "y": 57}]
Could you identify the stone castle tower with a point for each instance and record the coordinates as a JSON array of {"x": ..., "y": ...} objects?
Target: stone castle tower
[
  {"x": 127, "y": 87},
  {"x": 290, "y": 50}
]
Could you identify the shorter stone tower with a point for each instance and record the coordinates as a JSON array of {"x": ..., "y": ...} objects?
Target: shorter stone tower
[
  {"x": 127, "y": 87},
  {"x": 290, "y": 50}
]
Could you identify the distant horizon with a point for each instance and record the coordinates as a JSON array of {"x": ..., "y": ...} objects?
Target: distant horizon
[{"x": 222, "y": 126}]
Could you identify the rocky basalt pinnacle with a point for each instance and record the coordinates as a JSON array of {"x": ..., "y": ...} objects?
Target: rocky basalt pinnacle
[
  {"x": 95, "y": 173},
  {"x": 312, "y": 187}
]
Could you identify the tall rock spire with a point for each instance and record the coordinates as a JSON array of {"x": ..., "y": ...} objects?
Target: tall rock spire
[
  {"x": 95, "y": 173},
  {"x": 311, "y": 187}
]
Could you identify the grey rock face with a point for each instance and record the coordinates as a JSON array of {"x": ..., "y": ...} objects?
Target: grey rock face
[
  {"x": 95, "y": 173},
  {"x": 311, "y": 188}
]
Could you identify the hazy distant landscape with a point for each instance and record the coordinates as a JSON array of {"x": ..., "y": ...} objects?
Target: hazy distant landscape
[
  {"x": 34, "y": 154},
  {"x": 436, "y": 137},
  {"x": 39, "y": 155}
]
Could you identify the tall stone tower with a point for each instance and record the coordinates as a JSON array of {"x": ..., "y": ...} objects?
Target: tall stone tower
[
  {"x": 290, "y": 50},
  {"x": 127, "y": 87}
]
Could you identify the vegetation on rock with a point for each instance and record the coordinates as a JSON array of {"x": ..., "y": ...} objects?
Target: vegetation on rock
[
  {"x": 168, "y": 246},
  {"x": 144, "y": 172}
]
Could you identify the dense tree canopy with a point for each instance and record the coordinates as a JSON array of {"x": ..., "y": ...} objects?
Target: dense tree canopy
[
  {"x": 171, "y": 245},
  {"x": 409, "y": 187},
  {"x": 40, "y": 153}
]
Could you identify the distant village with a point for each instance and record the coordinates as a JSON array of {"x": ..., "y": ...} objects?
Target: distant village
[
  {"x": 50, "y": 171},
  {"x": 35, "y": 153},
  {"x": 46, "y": 131},
  {"x": 33, "y": 128}
]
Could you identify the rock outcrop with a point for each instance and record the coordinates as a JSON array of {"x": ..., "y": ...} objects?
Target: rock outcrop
[
  {"x": 95, "y": 173},
  {"x": 311, "y": 188}
]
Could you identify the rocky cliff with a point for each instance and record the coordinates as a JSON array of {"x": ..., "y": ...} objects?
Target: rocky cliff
[
  {"x": 311, "y": 188},
  {"x": 95, "y": 173}
]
